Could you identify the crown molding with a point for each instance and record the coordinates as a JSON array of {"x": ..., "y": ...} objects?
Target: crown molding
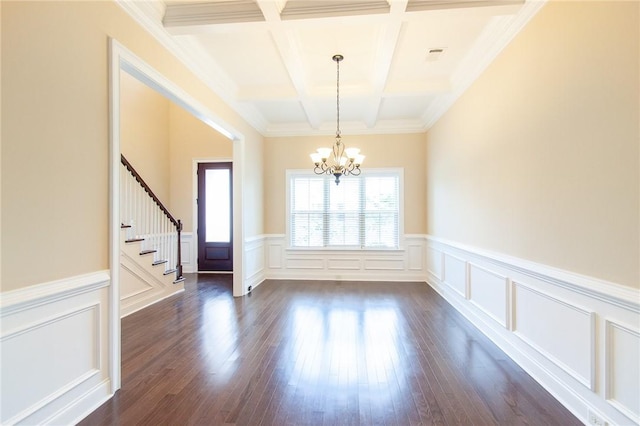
[{"x": 348, "y": 128}]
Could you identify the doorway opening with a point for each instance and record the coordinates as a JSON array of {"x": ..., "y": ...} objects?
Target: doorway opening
[{"x": 122, "y": 60}]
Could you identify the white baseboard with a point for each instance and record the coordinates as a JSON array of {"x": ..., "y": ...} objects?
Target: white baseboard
[
  {"x": 54, "y": 337},
  {"x": 557, "y": 325}
]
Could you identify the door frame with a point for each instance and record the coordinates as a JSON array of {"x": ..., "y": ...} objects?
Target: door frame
[
  {"x": 121, "y": 59},
  {"x": 194, "y": 186}
]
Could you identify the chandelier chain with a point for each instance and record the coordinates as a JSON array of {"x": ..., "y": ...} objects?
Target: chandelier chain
[{"x": 338, "y": 98}]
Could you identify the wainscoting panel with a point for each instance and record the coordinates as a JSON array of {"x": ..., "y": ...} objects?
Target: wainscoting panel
[
  {"x": 623, "y": 368},
  {"x": 578, "y": 336},
  {"x": 455, "y": 274},
  {"x": 254, "y": 261},
  {"x": 434, "y": 263},
  {"x": 275, "y": 251},
  {"x": 54, "y": 339},
  {"x": 415, "y": 257},
  {"x": 489, "y": 292},
  {"x": 189, "y": 253},
  {"x": 384, "y": 264},
  {"x": 305, "y": 262},
  {"x": 570, "y": 345},
  {"x": 343, "y": 264},
  {"x": 406, "y": 264}
]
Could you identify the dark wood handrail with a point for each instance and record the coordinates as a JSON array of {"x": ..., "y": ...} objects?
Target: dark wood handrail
[
  {"x": 176, "y": 222},
  {"x": 146, "y": 187}
]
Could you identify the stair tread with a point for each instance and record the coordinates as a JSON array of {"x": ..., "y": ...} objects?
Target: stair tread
[
  {"x": 134, "y": 240},
  {"x": 169, "y": 271},
  {"x": 159, "y": 262},
  {"x": 123, "y": 226},
  {"x": 143, "y": 252},
  {"x": 179, "y": 280}
]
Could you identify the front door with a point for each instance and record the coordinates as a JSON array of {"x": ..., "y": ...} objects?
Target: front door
[{"x": 215, "y": 217}]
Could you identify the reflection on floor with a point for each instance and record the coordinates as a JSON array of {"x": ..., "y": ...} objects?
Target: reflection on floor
[{"x": 316, "y": 352}]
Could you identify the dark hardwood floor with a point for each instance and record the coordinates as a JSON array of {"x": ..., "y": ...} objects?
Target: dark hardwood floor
[{"x": 317, "y": 352}]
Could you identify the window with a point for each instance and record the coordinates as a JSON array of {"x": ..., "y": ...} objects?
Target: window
[{"x": 361, "y": 212}]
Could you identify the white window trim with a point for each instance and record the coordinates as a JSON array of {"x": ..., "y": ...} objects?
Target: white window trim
[{"x": 308, "y": 172}]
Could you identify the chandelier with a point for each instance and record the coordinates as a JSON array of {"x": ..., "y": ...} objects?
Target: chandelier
[{"x": 337, "y": 161}]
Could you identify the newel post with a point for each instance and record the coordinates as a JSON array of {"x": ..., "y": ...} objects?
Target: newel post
[{"x": 179, "y": 261}]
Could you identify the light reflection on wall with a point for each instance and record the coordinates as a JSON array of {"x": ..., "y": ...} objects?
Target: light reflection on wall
[
  {"x": 219, "y": 337},
  {"x": 341, "y": 348}
]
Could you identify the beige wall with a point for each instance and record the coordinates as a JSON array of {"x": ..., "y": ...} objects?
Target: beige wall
[
  {"x": 55, "y": 126},
  {"x": 539, "y": 159},
  {"x": 144, "y": 133},
  {"x": 190, "y": 139},
  {"x": 401, "y": 150}
]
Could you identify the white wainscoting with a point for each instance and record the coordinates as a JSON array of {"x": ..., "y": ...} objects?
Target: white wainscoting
[
  {"x": 254, "y": 260},
  {"x": 189, "y": 255},
  {"x": 407, "y": 264},
  {"x": 622, "y": 387},
  {"x": 54, "y": 340},
  {"x": 489, "y": 292},
  {"x": 577, "y": 336}
]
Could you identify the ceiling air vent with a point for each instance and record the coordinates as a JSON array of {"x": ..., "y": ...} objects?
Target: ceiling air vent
[{"x": 435, "y": 54}]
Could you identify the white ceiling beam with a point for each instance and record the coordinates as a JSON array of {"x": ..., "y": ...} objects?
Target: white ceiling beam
[
  {"x": 384, "y": 57},
  {"x": 422, "y": 5},
  {"x": 291, "y": 54},
  {"x": 311, "y": 9},
  {"x": 206, "y": 13}
]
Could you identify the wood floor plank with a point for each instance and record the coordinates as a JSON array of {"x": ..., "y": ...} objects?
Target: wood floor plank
[{"x": 316, "y": 353}]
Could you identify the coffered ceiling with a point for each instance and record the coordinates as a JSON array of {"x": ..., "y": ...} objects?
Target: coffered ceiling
[{"x": 405, "y": 61}]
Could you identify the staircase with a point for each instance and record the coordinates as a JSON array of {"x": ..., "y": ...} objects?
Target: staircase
[{"x": 150, "y": 255}]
